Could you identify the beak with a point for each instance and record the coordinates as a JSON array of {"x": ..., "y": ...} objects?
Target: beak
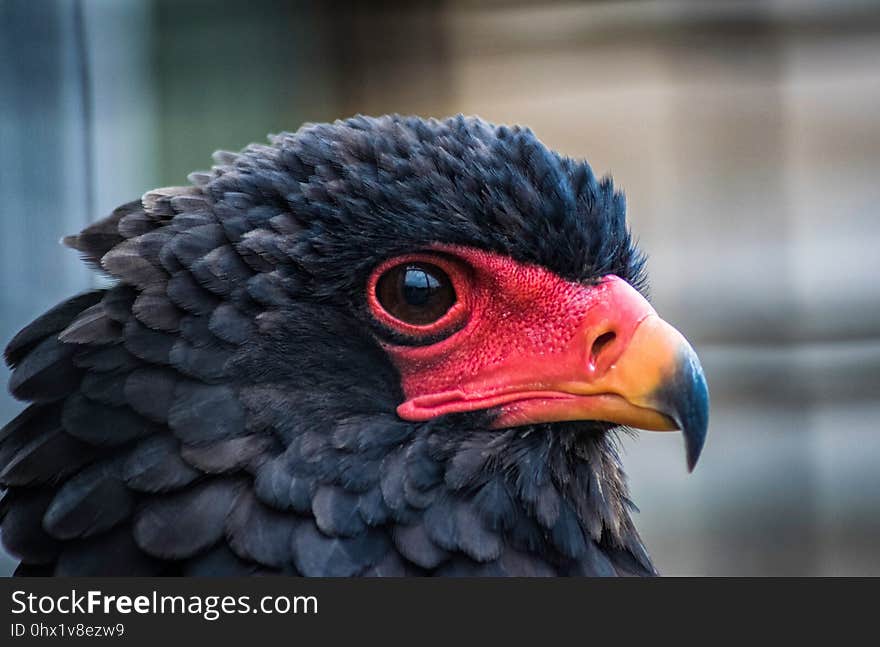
[{"x": 625, "y": 366}]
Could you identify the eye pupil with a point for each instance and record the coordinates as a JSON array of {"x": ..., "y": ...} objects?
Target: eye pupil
[
  {"x": 415, "y": 293},
  {"x": 418, "y": 286}
]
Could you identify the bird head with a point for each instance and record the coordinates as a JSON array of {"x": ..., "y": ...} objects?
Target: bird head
[
  {"x": 379, "y": 346},
  {"x": 488, "y": 275}
]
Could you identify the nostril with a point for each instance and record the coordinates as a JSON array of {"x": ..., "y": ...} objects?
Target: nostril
[{"x": 599, "y": 344}]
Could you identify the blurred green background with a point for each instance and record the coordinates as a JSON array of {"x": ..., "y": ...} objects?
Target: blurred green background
[{"x": 746, "y": 135}]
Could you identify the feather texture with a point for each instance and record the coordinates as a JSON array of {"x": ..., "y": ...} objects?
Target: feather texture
[
  {"x": 91, "y": 502},
  {"x": 227, "y": 405},
  {"x": 179, "y": 525}
]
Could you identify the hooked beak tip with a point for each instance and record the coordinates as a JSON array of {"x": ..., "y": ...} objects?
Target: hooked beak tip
[{"x": 685, "y": 399}]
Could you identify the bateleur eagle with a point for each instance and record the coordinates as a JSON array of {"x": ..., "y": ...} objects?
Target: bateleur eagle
[{"x": 383, "y": 346}]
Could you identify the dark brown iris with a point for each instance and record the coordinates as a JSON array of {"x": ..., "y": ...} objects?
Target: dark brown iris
[{"x": 416, "y": 293}]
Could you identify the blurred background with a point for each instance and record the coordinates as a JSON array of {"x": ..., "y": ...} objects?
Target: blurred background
[{"x": 746, "y": 136}]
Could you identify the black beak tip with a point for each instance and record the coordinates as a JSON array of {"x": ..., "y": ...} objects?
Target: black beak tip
[
  {"x": 693, "y": 444},
  {"x": 686, "y": 397},
  {"x": 694, "y": 418}
]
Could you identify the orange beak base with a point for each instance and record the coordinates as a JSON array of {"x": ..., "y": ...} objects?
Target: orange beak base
[{"x": 655, "y": 383}]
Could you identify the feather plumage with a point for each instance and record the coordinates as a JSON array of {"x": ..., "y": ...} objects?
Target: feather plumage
[
  {"x": 226, "y": 408},
  {"x": 181, "y": 524},
  {"x": 155, "y": 465},
  {"x": 90, "y": 503}
]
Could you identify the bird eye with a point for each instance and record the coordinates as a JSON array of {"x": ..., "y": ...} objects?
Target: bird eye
[{"x": 415, "y": 293}]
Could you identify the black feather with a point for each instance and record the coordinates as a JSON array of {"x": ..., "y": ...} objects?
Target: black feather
[
  {"x": 150, "y": 391},
  {"x": 203, "y": 414},
  {"x": 259, "y": 534},
  {"x": 336, "y": 512},
  {"x": 393, "y": 475},
  {"x": 91, "y": 502},
  {"x": 415, "y": 545},
  {"x": 513, "y": 563},
  {"x": 92, "y": 326},
  {"x": 317, "y": 555},
  {"x": 109, "y": 554},
  {"x": 46, "y": 373},
  {"x": 155, "y": 465},
  {"x": 46, "y": 459},
  {"x": 440, "y": 524},
  {"x": 50, "y": 323},
  {"x": 35, "y": 450},
  {"x": 228, "y": 455},
  {"x": 277, "y": 487},
  {"x": 179, "y": 525},
  {"x": 157, "y": 311},
  {"x": 220, "y": 561},
  {"x": 117, "y": 302},
  {"x": 269, "y": 289},
  {"x": 593, "y": 562},
  {"x": 220, "y": 270},
  {"x": 135, "y": 224},
  {"x": 193, "y": 243},
  {"x": 392, "y": 566},
  {"x": 99, "y": 424},
  {"x": 149, "y": 345},
  {"x": 100, "y": 237},
  {"x": 22, "y": 526},
  {"x": 372, "y": 508},
  {"x": 186, "y": 293},
  {"x": 230, "y": 325},
  {"x": 208, "y": 363},
  {"x": 112, "y": 358},
  {"x": 105, "y": 388},
  {"x": 567, "y": 534},
  {"x": 494, "y": 503},
  {"x": 127, "y": 262},
  {"x": 473, "y": 537}
]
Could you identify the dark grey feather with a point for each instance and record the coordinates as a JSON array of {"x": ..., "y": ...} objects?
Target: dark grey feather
[
  {"x": 179, "y": 525},
  {"x": 415, "y": 545},
  {"x": 126, "y": 262},
  {"x": 92, "y": 326},
  {"x": 22, "y": 526},
  {"x": 135, "y": 224},
  {"x": 227, "y": 455},
  {"x": 105, "y": 388},
  {"x": 157, "y": 311},
  {"x": 220, "y": 561},
  {"x": 34, "y": 449},
  {"x": 155, "y": 465},
  {"x": 203, "y": 413},
  {"x": 231, "y": 325},
  {"x": 99, "y": 424},
  {"x": 110, "y": 554},
  {"x": 185, "y": 292},
  {"x": 221, "y": 270},
  {"x": 336, "y": 512},
  {"x": 150, "y": 391},
  {"x": 317, "y": 555},
  {"x": 149, "y": 345},
  {"x": 193, "y": 243},
  {"x": 46, "y": 373},
  {"x": 105, "y": 359},
  {"x": 50, "y": 323},
  {"x": 117, "y": 302},
  {"x": 258, "y": 533},
  {"x": 91, "y": 502}
]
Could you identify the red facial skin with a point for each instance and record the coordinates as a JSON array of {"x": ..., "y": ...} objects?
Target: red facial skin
[{"x": 523, "y": 342}]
